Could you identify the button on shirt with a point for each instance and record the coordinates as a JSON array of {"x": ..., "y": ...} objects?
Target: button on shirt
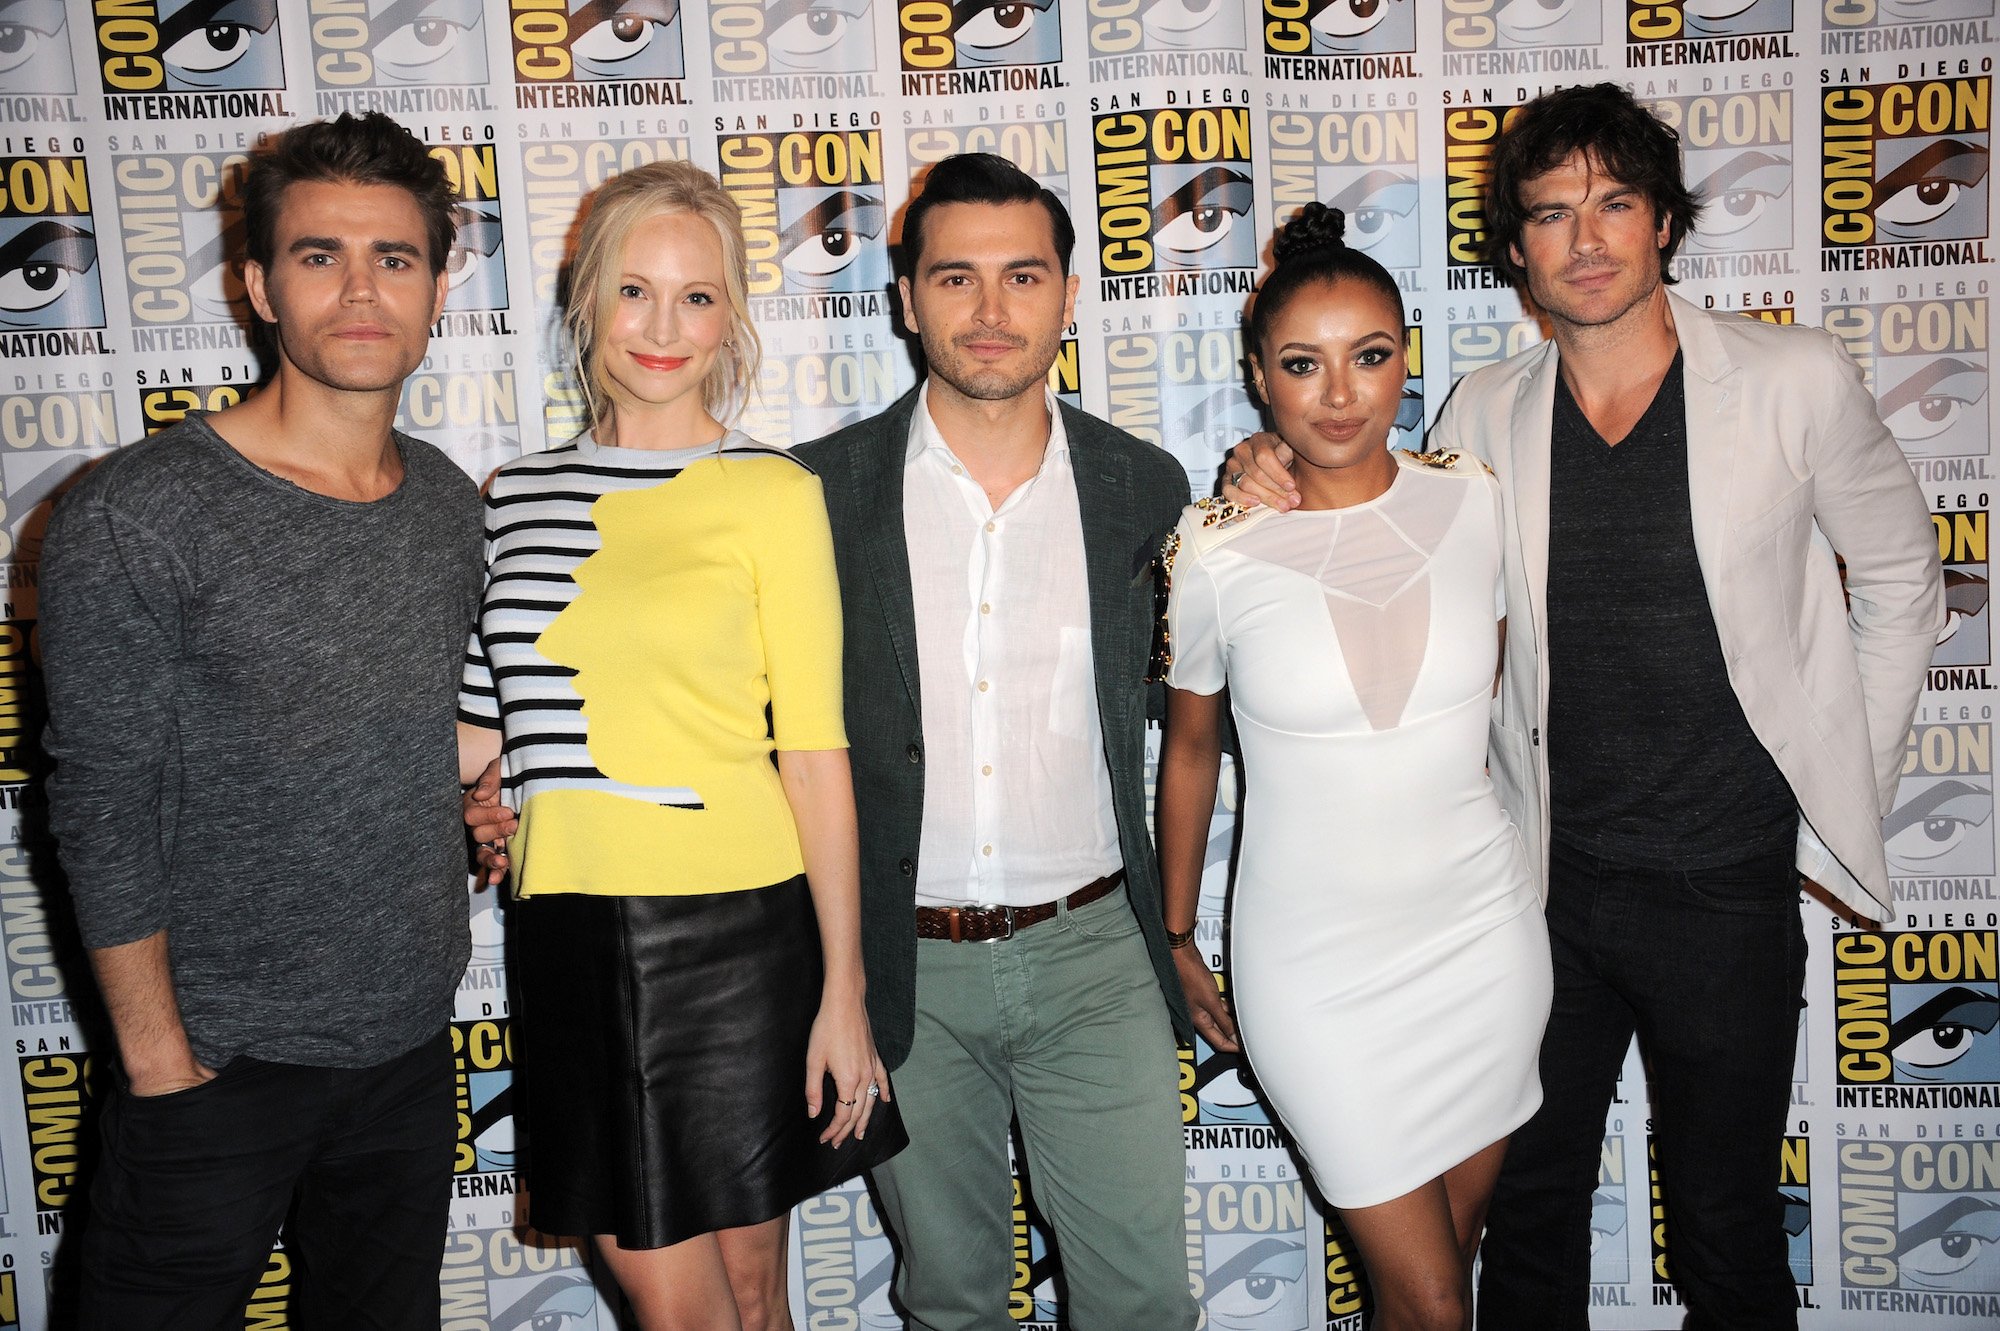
[{"x": 1017, "y": 796}]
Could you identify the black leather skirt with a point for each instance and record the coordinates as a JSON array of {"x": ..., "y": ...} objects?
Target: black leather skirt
[{"x": 662, "y": 1047}]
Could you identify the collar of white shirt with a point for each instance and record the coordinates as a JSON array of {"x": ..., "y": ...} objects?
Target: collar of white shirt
[{"x": 924, "y": 436}]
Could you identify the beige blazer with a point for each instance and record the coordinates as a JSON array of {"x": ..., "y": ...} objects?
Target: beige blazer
[{"x": 1788, "y": 463}]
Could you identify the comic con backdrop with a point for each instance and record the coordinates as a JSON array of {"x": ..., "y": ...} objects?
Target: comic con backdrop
[{"x": 1843, "y": 146}]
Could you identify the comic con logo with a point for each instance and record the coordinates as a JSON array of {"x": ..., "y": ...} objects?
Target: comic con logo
[
  {"x": 1862, "y": 13},
  {"x": 935, "y": 35},
  {"x": 1339, "y": 27},
  {"x": 34, "y": 47},
  {"x": 806, "y": 394},
  {"x": 1477, "y": 25},
  {"x": 85, "y": 420},
  {"x": 1610, "y": 1216},
  {"x": 1361, "y": 162},
  {"x": 1795, "y": 1199},
  {"x": 1122, "y": 27},
  {"x": 1346, "y": 1280},
  {"x": 596, "y": 40},
  {"x": 1032, "y": 1297},
  {"x": 1904, "y": 163},
  {"x": 186, "y": 45},
  {"x": 34, "y": 971},
  {"x": 814, "y": 212},
  {"x": 556, "y": 174},
  {"x": 791, "y": 37},
  {"x": 1920, "y": 1215},
  {"x": 181, "y": 218},
  {"x": 1916, "y": 1007},
  {"x": 516, "y": 1280},
  {"x": 1175, "y": 202},
  {"x": 1183, "y": 390},
  {"x": 21, "y": 711},
  {"x": 1253, "y": 1246},
  {"x": 1650, "y": 21},
  {"x": 1487, "y": 341},
  {"x": 57, "y": 1088},
  {"x": 1926, "y": 361},
  {"x": 398, "y": 43},
  {"x": 844, "y": 1261},
  {"x": 476, "y": 267},
  {"x": 1966, "y": 639},
  {"x": 48, "y": 245},
  {"x": 169, "y": 404},
  {"x": 1737, "y": 153},
  {"x": 472, "y": 414},
  {"x": 1469, "y": 135},
  {"x": 1941, "y": 825},
  {"x": 483, "y": 1055}
]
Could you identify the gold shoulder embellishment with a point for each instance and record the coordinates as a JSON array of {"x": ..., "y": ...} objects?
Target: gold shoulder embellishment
[
  {"x": 1445, "y": 461},
  {"x": 1161, "y": 656},
  {"x": 1215, "y": 511}
]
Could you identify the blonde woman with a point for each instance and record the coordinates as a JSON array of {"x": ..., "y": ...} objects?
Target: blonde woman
[{"x": 660, "y": 619}]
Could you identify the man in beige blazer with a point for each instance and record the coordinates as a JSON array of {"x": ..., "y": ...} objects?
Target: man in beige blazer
[{"x": 1690, "y": 715}]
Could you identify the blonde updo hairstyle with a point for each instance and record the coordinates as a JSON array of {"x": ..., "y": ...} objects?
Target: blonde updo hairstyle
[{"x": 617, "y": 207}]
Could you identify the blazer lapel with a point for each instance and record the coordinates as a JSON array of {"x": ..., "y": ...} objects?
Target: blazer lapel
[
  {"x": 1104, "y": 505},
  {"x": 879, "y": 486},
  {"x": 1713, "y": 402},
  {"x": 1528, "y": 452}
]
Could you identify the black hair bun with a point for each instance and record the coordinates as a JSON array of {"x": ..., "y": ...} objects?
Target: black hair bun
[{"x": 1316, "y": 229}]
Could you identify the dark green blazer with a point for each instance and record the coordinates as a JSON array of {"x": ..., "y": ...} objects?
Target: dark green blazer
[{"x": 1129, "y": 494}]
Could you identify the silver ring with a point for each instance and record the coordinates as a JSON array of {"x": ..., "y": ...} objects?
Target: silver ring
[
  {"x": 873, "y": 1090},
  {"x": 1236, "y": 478}
]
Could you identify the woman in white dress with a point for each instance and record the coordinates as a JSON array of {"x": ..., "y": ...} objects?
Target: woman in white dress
[{"x": 1388, "y": 963}]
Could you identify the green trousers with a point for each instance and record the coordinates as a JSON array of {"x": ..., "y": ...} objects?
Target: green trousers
[{"x": 1063, "y": 1028}]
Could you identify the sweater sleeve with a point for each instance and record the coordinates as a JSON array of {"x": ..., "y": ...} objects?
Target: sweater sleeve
[
  {"x": 798, "y": 615},
  {"x": 115, "y": 600}
]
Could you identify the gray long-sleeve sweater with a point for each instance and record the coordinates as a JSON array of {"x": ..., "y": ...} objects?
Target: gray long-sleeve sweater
[{"x": 251, "y": 698}]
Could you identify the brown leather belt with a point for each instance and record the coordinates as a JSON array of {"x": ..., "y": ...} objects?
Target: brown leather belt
[{"x": 981, "y": 924}]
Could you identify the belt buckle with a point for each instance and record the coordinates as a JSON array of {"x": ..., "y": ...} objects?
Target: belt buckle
[{"x": 1008, "y": 913}]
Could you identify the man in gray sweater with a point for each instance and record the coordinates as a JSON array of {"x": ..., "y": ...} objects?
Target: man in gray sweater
[{"x": 252, "y": 613}]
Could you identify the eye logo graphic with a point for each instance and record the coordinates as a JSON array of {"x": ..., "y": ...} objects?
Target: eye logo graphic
[
  {"x": 1361, "y": 162},
  {"x": 1474, "y": 25},
  {"x": 971, "y": 34},
  {"x": 1904, "y": 163},
  {"x": 1917, "y": 1008},
  {"x": 1339, "y": 27},
  {"x": 1919, "y": 1215},
  {"x": 189, "y": 46},
  {"x": 34, "y": 48},
  {"x": 1664, "y": 20},
  {"x": 792, "y": 37},
  {"x": 1967, "y": 637},
  {"x": 399, "y": 43},
  {"x": 1184, "y": 391},
  {"x": 48, "y": 245},
  {"x": 597, "y": 40},
  {"x": 1941, "y": 825}
]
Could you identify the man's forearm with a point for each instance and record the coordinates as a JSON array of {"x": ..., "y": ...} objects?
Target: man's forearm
[{"x": 137, "y": 982}]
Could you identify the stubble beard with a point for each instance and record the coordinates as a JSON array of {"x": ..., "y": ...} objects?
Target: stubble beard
[{"x": 988, "y": 385}]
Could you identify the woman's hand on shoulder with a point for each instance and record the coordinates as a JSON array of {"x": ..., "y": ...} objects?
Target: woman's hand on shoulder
[
  {"x": 1259, "y": 471},
  {"x": 842, "y": 1046}
]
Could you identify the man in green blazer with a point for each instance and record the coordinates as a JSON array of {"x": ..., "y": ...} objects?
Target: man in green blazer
[{"x": 995, "y": 552}]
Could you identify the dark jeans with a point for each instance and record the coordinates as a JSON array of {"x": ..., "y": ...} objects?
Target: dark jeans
[
  {"x": 193, "y": 1187},
  {"x": 1708, "y": 968}
]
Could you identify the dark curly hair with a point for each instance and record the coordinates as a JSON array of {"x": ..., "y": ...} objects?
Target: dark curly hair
[
  {"x": 368, "y": 149},
  {"x": 1606, "y": 124},
  {"x": 1311, "y": 248}
]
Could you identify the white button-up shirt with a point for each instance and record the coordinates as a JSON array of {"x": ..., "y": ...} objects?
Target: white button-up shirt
[{"x": 1017, "y": 795}]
